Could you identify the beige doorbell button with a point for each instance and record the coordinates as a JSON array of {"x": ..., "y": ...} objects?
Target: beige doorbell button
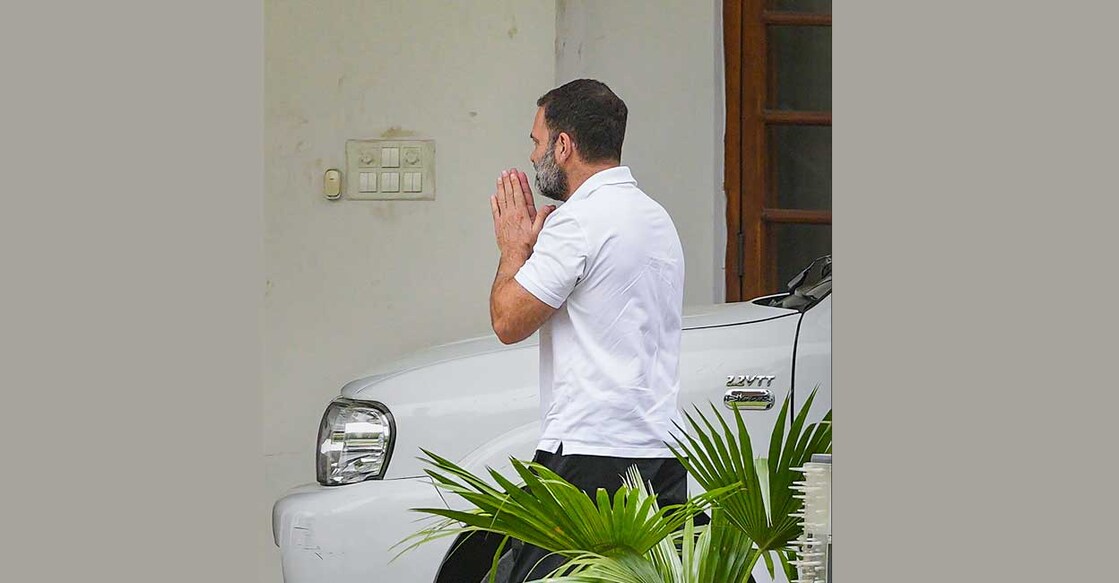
[{"x": 332, "y": 184}]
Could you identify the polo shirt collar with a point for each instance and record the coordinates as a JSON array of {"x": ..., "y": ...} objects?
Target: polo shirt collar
[{"x": 615, "y": 175}]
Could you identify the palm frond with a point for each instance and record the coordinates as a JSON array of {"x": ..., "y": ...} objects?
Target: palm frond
[
  {"x": 595, "y": 568},
  {"x": 626, "y": 537},
  {"x": 717, "y": 553},
  {"x": 727, "y": 554},
  {"x": 763, "y": 507},
  {"x": 548, "y": 512}
]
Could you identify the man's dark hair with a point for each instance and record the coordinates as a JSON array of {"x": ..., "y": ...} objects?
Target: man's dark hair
[{"x": 591, "y": 114}]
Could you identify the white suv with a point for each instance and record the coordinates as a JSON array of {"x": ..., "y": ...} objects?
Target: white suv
[{"x": 475, "y": 402}]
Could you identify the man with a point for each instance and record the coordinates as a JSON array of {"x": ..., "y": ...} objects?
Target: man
[{"x": 602, "y": 278}]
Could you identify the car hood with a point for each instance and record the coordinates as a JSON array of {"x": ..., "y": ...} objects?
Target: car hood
[
  {"x": 698, "y": 316},
  {"x": 456, "y": 396}
]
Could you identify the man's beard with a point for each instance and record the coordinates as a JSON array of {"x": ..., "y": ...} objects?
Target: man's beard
[{"x": 551, "y": 180}]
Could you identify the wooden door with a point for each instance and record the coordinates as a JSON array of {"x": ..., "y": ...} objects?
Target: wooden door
[{"x": 778, "y": 141}]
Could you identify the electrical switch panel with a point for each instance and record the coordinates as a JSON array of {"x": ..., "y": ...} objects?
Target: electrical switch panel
[{"x": 390, "y": 169}]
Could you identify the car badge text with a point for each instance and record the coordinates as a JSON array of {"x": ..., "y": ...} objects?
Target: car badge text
[
  {"x": 752, "y": 398},
  {"x": 750, "y": 380}
]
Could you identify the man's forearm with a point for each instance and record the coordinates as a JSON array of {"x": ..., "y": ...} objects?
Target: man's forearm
[{"x": 511, "y": 262}]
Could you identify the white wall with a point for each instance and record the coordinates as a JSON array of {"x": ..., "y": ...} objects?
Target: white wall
[
  {"x": 664, "y": 59},
  {"x": 352, "y": 284}
]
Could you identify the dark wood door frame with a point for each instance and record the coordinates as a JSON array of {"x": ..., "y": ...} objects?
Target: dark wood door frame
[{"x": 748, "y": 180}]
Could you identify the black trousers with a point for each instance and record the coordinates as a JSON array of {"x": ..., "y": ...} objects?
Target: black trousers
[{"x": 589, "y": 473}]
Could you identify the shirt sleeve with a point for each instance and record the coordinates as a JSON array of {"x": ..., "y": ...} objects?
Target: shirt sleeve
[{"x": 557, "y": 262}]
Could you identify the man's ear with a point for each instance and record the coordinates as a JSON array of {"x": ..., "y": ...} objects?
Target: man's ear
[{"x": 565, "y": 148}]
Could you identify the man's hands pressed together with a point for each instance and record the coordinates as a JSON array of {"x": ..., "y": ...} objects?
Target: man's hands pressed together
[
  {"x": 514, "y": 312},
  {"x": 516, "y": 223}
]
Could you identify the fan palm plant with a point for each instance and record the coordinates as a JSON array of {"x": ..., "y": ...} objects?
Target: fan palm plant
[
  {"x": 628, "y": 538},
  {"x": 765, "y": 509},
  {"x": 551, "y": 513},
  {"x": 717, "y": 553}
]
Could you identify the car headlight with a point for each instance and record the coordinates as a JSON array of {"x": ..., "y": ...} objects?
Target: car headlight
[{"x": 355, "y": 442}]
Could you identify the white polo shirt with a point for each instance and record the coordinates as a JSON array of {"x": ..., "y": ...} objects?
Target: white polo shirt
[{"x": 610, "y": 260}]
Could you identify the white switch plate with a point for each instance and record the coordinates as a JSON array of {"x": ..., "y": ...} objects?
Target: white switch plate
[{"x": 398, "y": 166}]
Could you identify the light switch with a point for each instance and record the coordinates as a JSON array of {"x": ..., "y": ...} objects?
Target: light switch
[
  {"x": 413, "y": 182},
  {"x": 368, "y": 182},
  {"x": 390, "y": 182},
  {"x": 390, "y": 157}
]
